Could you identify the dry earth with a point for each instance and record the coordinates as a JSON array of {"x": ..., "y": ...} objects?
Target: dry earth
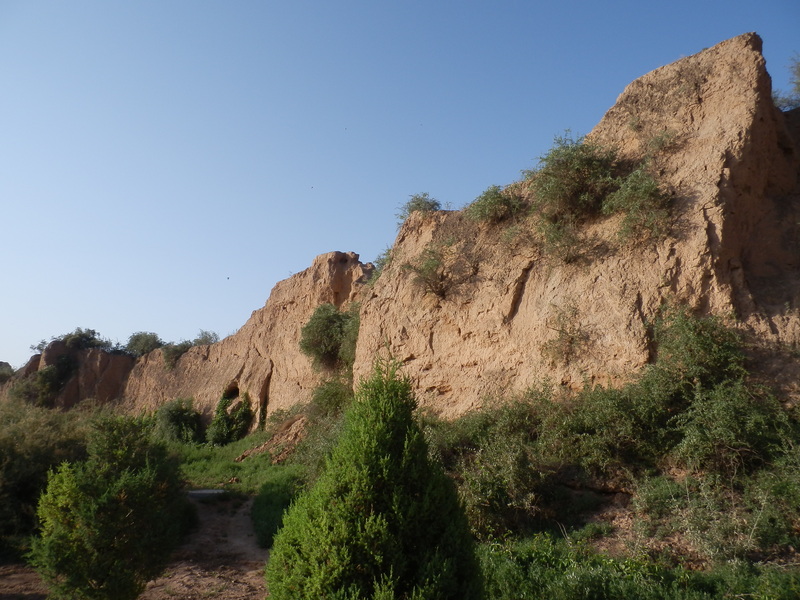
[{"x": 219, "y": 561}]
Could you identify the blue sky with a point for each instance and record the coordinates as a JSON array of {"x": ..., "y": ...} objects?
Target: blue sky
[{"x": 164, "y": 163}]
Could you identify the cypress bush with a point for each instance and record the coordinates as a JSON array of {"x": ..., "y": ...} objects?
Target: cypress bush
[
  {"x": 382, "y": 520},
  {"x": 108, "y": 524}
]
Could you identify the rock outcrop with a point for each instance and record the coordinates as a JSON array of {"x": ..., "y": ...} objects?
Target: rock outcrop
[
  {"x": 502, "y": 311},
  {"x": 722, "y": 150},
  {"x": 263, "y": 358}
]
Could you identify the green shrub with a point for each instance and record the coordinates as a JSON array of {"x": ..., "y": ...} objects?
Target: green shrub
[
  {"x": 417, "y": 203},
  {"x": 275, "y": 495},
  {"x": 382, "y": 521},
  {"x": 543, "y": 568},
  {"x": 230, "y": 425},
  {"x": 494, "y": 205},
  {"x": 573, "y": 179},
  {"x": 643, "y": 204},
  {"x": 172, "y": 351},
  {"x": 729, "y": 429},
  {"x": 697, "y": 351},
  {"x": 579, "y": 180},
  {"x": 205, "y": 338},
  {"x": 142, "y": 343},
  {"x": 33, "y": 440},
  {"x": 331, "y": 397},
  {"x": 109, "y": 524},
  {"x": 178, "y": 421},
  {"x": 330, "y": 336},
  {"x": 42, "y": 387}
]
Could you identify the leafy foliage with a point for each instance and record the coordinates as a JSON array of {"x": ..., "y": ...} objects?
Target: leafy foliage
[
  {"x": 643, "y": 204},
  {"x": 80, "y": 339},
  {"x": 429, "y": 271},
  {"x": 382, "y": 521},
  {"x": 331, "y": 397},
  {"x": 142, "y": 343},
  {"x": 330, "y": 336},
  {"x": 544, "y": 568},
  {"x": 42, "y": 387},
  {"x": 229, "y": 425},
  {"x": 109, "y": 524},
  {"x": 578, "y": 180},
  {"x": 417, "y": 203},
  {"x": 494, "y": 205},
  {"x": 178, "y": 421},
  {"x": 573, "y": 179},
  {"x": 33, "y": 440},
  {"x": 381, "y": 262}
]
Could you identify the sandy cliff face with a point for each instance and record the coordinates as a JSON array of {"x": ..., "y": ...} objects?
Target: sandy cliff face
[
  {"x": 263, "y": 358},
  {"x": 723, "y": 152},
  {"x": 727, "y": 157}
]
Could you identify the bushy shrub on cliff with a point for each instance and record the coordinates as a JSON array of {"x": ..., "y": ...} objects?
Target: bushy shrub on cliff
[
  {"x": 382, "y": 521},
  {"x": 417, "y": 203},
  {"x": 578, "y": 180},
  {"x": 330, "y": 336},
  {"x": 143, "y": 342},
  {"x": 80, "y": 339},
  {"x": 173, "y": 351},
  {"x": 494, "y": 205},
  {"x": 108, "y": 524},
  {"x": 41, "y": 387}
]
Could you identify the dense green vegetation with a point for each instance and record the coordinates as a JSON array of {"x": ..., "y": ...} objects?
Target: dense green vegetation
[
  {"x": 230, "y": 424},
  {"x": 381, "y": 520},
  {"x": 143, "y": 342},
  {"x": 329, "y": 337},
  {"x": 33, "y": 440},
  {"x": 707, "y": 458},
  {"x": 417, "y": 203},
  {"x": 109, "y": 523},
  {"x": 578, "y": 180}
]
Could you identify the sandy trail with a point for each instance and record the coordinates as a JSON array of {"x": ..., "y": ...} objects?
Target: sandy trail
[{"x": 220, "y": 560}]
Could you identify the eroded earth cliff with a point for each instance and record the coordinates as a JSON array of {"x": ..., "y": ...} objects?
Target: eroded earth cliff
[{"x": 726, "y": 157}]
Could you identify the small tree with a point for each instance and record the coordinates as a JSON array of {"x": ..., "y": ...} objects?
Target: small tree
[
  {"x": 417, "y": 203},
  {"x": 143, "y": 342},
  {"x": 330, "y": 336},
  {"x": 109, "y": 524},
  {"x": 382, "y": 521}
]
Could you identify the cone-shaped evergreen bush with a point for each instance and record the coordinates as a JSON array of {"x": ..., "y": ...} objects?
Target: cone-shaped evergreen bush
[{"x": 382, "y": 521}]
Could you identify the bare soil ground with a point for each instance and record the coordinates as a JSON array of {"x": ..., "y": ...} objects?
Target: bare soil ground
[{"x": 220, "y": 560}]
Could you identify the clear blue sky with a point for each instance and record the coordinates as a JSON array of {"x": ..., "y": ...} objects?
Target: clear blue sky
[{"x": 164, "y": 163}]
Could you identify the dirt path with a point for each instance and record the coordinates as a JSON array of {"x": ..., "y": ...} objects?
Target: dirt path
[{"x": 219, "y": 561}]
